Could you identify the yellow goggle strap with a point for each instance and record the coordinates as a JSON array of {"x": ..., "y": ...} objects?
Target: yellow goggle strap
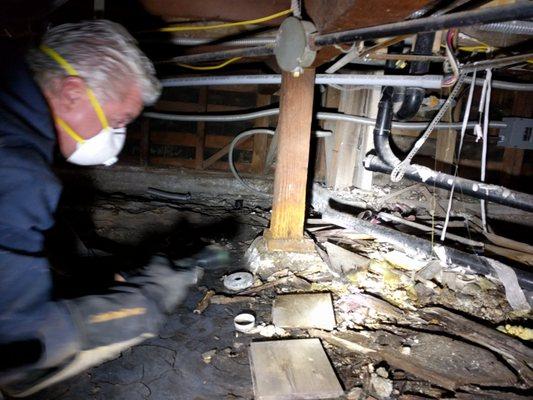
[
  {"x": 69, "y": 130},
  {"x": 92, "y": 98}
]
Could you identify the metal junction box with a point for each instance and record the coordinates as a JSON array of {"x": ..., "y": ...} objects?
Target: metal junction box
[{"x": 518, "y": 133}]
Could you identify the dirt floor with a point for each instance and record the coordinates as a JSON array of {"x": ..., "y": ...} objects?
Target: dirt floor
[{"x": 391, "y": 339}]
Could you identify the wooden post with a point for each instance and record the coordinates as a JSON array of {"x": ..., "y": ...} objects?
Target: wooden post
[
  {"x": 290, "y": 179},
  {"x": 347, "y": 148},
  {"x": 445, "y": 146}
]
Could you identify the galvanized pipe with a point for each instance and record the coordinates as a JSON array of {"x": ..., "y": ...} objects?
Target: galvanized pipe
[
  {"x": 327, "y": 116},
  {"x": 428, "y": 81},
  {"x": 522, "y": 10},
  {"x": 510, "y": 27}
]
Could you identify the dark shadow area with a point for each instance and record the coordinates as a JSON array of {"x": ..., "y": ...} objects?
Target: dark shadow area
[{"x": 84, "y": 262}]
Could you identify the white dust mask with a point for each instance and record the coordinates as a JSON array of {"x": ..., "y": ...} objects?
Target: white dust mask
[{"x": 101, "y": 149}]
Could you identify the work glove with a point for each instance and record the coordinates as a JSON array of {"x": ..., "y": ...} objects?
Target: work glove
[
  {"x": 165, "y": 283},
  {"x": 102, "y": 326}
]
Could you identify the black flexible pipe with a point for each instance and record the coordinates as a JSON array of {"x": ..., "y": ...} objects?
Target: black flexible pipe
[
  {"x": 386, "y": 160},
  {"x": 169, "y": 195},
  {"x": 520, "y": 10},
  {"x": 479, "y": 190},
  {"x": 412, "y": 98}
]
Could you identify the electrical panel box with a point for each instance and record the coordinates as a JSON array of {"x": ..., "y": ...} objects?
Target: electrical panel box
[{"x": 518, "y": 133}]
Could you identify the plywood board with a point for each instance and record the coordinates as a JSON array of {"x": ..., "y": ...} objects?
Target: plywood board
[
  {"x": 292, "y": 369},
  {"x": 303, "y": 310}
]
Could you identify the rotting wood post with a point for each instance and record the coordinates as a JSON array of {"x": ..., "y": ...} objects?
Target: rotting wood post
[{"x": 290, "y": 178}]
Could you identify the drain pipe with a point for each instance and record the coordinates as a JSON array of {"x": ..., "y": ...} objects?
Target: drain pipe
[
  {"x": 386, "y": 160},
  {"x": 411, "y": 97}
]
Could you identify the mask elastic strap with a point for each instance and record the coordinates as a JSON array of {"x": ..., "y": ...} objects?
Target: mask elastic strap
[
  {"x": 69, "y": 130},
  {"x": 72, "y": 72}
]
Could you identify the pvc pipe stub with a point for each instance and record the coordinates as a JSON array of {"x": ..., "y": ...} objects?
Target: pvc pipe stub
[
  {"x": 238, "y": 281},
  {"x": 244, "y": 322}
]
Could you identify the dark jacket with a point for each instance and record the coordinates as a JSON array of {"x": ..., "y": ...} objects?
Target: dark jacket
[{"x": 29, "y": 193}]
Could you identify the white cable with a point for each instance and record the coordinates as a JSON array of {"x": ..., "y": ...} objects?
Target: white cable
[
  {"x": 232, "y": 145},
  {"x": 462, "y": 137},
  {"x": 485, "y": 144},
  {"x": 399, "y": 170}
]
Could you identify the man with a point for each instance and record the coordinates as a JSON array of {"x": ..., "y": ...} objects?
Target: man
[{"x": 78, "y": 90}]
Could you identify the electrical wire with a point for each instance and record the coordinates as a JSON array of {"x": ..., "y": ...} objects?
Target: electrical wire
[
  {"x": 450, "y": 81},
  {"x": 463, "y": 131},
  {"x": 182, "y": 28},
  {"x": 209, "y": 67},
  {"x": 231, "y": 164},
  {"x": 328, "y": 116},
  {"x": 485, "y": 144}
]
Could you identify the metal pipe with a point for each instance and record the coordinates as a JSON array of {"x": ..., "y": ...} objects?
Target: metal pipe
[
  {"x": 327, "y": 116},
  {"x": 503, "y": 85},
  {"x": 258, "y": 51},
  {"x": 522, "y": 10},
  {"x": 424, "y": 81},
  {"x": 342, "y": 215},
  {"x": 511, "y": 27},
  {"x": 253, "y": 41},
  {"x": 479, "y": 190},
  {"x": 327, "y": 79},
  {"x": 496, "y": 62}
]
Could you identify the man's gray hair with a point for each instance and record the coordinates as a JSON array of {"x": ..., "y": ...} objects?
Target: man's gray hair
[{"x": 104, "y": 54}]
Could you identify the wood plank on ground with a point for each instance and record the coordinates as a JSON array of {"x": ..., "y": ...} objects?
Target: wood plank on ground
[{"x": 292, "y": 369}]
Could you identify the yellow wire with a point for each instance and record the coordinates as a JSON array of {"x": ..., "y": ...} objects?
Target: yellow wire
[
  {"x": 182, "y": 28},
  {"x": 210, "y": 67},
  {"x": 476, "y": 49}
]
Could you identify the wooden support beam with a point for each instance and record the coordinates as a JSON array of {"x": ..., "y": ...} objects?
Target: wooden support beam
[
  {"x": 351, "y": 142},
  {"x": 338, "y": 15},
  {"x": 260, "y": 141},
  {"x": 290, "y": 179},
  {"x": 221, "y": 153},
  {"x": 445, "y": 147}
]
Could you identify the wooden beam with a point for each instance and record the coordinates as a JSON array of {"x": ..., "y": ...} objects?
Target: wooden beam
[
  {"x": 213, "y": 10},
  {"x": 260, "y": 141},
  {"x": 290, "y": 179},
  {"x": 445, "y": 147},
  {"x": 338, "y": 15},
  {"x": 219, "y": 154},
  {"x": 351, "y": 142}
]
